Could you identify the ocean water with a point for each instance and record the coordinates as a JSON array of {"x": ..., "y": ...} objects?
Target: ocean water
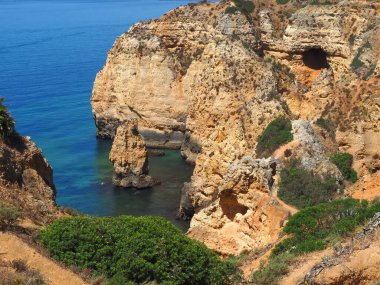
[{"x": 50, "y": 52}]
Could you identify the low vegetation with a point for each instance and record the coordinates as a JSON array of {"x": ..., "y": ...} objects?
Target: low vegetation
[
  {"x": 277, "y": 133},
  {"x": 282, "y": 2},
  {"x": 315, "y": 228},
  {"x": 8, "y": 215},
  {"x": 127, "y": 249},
  {"x": 317, "y": 2},
  {"x": 356, "y": 62},
  {"x": 352, "y": 39},
  {"x": 284, "y": 69},
  {"x": 243, "y": 6},
  {"x": 302, "y": 188},
  {"x": 327, "y": 125},
  {"x": 343, "y": 161},
  {"x": 269, "y": 274},
  {"x": 7, "y": 124},
  {"x": 18, "y": 272}
]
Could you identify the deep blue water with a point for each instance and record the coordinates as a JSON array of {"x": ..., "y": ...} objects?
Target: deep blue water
[{"x": 50, "y": 52}]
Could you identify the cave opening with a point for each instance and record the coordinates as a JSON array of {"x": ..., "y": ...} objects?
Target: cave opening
[
  {"x": 315, "y": 58},
  {"x": 230, "y": 205}
]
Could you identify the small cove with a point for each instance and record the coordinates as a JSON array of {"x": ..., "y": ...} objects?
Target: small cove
[{"x": 51, "y": 52}]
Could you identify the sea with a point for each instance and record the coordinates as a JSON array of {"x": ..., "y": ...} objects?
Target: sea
[{"x": 50, "y": 52}]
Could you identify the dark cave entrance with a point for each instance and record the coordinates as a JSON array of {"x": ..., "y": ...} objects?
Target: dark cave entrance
[
  {"x": 230, "y": 205},
  {"x": 315, "y": 58}
]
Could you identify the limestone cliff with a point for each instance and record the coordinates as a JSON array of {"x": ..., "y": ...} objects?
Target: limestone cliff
[
  {"x": 129, "y": 157},
  {"x": 26, "y": 179},
  {"x": 210, "y": 81}
]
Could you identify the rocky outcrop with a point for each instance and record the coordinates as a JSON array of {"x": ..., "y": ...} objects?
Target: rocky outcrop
[
  {"x": 312, "y": 154},
  {"x": 26, "y": 179},
  {"x": 244, "y": 214},
  {"x": 211, "y": 82},
  {"x": 129, "y": 158}
]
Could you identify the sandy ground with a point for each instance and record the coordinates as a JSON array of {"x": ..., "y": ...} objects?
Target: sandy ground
[
  {"x": 367, "y": 187},
  {"x": 303, "y": 265},
  {"x": 12, "y": 248}
]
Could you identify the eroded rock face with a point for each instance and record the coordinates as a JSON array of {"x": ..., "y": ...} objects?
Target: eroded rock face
[
  {"x": 311, "y": 152},
  {"x": 26, "y": 179},
  {"x": 244, "y": 214},
  {"x": 211, "y": 82},
  {"x": 129, "y": 158}
]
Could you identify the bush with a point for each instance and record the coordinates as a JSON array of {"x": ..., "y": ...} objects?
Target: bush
[
  {"x": 7, "y": 124},
  {"x": 18, "y": 273},
  {"x": 351, "y": 39},
  {"x": 244, "y": 6},
  {"x": 282, "y": 2},
  {"x": 356, "y": 62},
  {"x": 134, "y": 249},
  {"x": 230, "y": 10},
  {"x": 19, "y": 265},
  {"x": 327, "y": 125},
  {"x": 277, "y": 267},
  {"x": 277, "y": 133},
  {"x": 301, "y": 188},
  {"x": 343, "y": 161},
  {"x": 312, "y": 228},
  {"x": 8, "y": 215}
]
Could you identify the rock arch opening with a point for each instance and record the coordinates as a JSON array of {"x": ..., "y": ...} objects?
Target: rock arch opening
[
  {"x": 230, "y": 205},
  {"x": 315, "y": 58}
]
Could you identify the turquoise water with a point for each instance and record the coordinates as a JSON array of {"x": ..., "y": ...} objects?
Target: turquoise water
[{"x": 50, "y": 52}]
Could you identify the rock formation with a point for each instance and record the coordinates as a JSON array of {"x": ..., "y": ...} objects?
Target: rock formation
[
  {"x": 26, "y": 179},
  {"x": 210, "y": 82},
  {"x": 129, "y": 157},
  {"x": 244, "y": 214}
]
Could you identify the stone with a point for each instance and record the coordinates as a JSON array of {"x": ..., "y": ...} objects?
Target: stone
[
  {"x": 244, "y": 215},
  {"x": 26, "y": 179},
  {"x": 130, "y": 159}
]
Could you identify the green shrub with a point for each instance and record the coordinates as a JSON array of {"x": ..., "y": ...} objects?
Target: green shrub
[
  {"x": 7, "y": 124},
  {"x": 282, "y": 2},
  {"x": 356, "y": 62},
  {"x": 230, "y": 10},
  {"x": 277, "y": 267},
  {"x": 8, "y": 215},
  {"x": 343, "y": 161},
  {"x": 134, "y": 249},
  {"x": 327, "y": 125},
  {"x": 317, "y": 2},
  {"x": 351, "y": 39},
  {"x": 312, "y": 228},
  {"x": 277, "y": 133},
  {"x": 301, "y": 188},
  {"x": 244, "y": 6}
]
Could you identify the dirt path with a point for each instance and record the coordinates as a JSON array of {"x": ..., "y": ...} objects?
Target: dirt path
[
  {"x": 302, "y": 266},
  {"x": 12, "y": 247}
]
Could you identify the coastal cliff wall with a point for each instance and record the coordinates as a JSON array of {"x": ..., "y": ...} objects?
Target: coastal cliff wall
[
  {"x": 26, "y": 179},
  {"x": 210, "y": 81}
]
